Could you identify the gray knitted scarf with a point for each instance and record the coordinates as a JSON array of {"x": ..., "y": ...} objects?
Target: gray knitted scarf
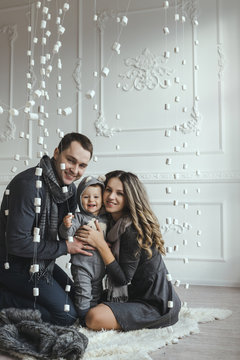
[
  {"x": 117, "y": 293},
  {"x": 49, "y": 214}
]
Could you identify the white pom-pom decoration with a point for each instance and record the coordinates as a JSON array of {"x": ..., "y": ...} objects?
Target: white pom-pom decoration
[{"x": 102, "y": 178}]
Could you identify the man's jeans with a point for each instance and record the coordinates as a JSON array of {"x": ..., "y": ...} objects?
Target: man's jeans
[{"x": 16, "y": 290}]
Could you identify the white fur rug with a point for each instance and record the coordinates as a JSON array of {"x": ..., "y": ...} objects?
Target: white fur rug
[{"x": 135, "y": 345}]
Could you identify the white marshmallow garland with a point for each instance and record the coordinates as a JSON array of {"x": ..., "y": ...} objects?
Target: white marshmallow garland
[
  {"x": 38, "y": 93},
  {"x": 124, "y": 22}
]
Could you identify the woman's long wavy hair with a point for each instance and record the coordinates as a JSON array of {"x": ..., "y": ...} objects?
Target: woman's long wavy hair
[{"x": 138, "y": 207}]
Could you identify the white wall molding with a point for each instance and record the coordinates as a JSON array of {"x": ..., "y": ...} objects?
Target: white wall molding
[
  {"x": 154, "y": 72},
  {"x": 162, "y": 178},
  {"x": 190, "y": 177},
  {"x": 221, "y": 68},
  {"x": 220, "y": 47},
  {"x": 187, "y": 226},
  {"x": 138, "y": 76},
  {"x": 189, "y": 8},
  {"x": 8, "y": 133},
  {"x": 102, "y": 124},
  {"x": 77, "y": 74},
  {"x": 179, "y": 228},
  {"x": 215, "y": 282},
  {"x": 221, "y": 61},
  {"x": 194, "y": 259},
  {"x": 194, "y": 121},
  {"x": 102, "y": 128}
]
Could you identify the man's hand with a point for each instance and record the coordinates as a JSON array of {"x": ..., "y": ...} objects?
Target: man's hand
[{"x": 79, "y": 247}]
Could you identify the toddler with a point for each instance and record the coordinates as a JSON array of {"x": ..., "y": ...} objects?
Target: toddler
[{"x": 87, "y": 271}]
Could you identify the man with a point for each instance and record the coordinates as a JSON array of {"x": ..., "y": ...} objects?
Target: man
[{"x": 33, "y": 207}]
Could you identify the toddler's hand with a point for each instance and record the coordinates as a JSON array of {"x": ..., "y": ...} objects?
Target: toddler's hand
[{"x": 67, "y": 220}]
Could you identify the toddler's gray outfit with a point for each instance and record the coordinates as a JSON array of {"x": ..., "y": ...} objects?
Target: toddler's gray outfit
[{"x": 87, "y": 271}]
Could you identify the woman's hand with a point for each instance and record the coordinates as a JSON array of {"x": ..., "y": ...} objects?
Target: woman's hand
[
  {"x": 90, "y": 236},
  {"x": 95, "y": 238}
]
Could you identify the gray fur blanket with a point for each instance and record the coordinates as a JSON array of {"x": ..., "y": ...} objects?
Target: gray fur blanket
[{"x": 22, "y": 332}]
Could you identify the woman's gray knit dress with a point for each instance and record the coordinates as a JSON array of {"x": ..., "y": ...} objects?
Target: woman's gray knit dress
[{"x": 152, "y": 300}]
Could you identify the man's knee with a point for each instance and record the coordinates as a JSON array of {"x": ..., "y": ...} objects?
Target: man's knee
[{"x": 65, "y": 318}]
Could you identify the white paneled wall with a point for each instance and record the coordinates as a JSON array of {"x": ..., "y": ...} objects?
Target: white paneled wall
[{"x": 127, "y": 118}]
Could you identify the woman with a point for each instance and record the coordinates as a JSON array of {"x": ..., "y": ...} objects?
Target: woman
[{"x": 139, "y": 293}]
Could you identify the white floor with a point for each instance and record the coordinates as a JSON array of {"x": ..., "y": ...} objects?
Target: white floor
[{"x": 218, "y": 340}]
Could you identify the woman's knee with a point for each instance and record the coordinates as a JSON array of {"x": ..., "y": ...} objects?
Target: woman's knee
[
  {"x": 101, "y": 317},
  {"x": 93, "y": 319}
]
